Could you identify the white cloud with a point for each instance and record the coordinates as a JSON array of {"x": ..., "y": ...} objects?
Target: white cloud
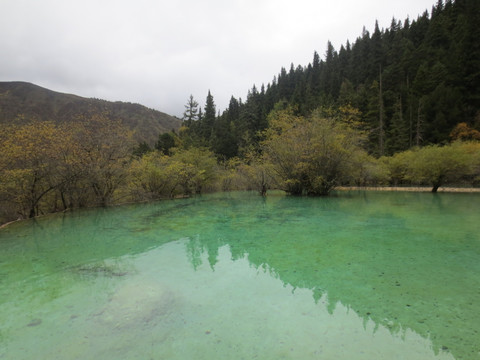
[{"x": 159, "y": 52}]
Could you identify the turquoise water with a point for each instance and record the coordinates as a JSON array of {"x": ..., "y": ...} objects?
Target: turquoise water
[{"x": 358, "y": 275}]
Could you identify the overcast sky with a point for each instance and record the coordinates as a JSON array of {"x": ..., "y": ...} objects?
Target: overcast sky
[{"x": 158, "y": 52}]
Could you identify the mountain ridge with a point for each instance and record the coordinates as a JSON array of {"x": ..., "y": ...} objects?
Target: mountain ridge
[{"x": 19, "y": 99}]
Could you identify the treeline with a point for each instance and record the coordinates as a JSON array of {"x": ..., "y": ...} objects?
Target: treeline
[
  {"x": 412, "y": 83},
  {"x": 47, "y": 168}
]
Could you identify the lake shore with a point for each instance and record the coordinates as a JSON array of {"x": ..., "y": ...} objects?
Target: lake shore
[
  {"x": 409, "y": 188},
  {"x": 8, "y": 223},
  {"x": 365, "y": 188}
]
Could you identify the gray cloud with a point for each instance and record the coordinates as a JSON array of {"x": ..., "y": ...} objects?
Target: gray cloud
[{"x": 157, "y": 53}]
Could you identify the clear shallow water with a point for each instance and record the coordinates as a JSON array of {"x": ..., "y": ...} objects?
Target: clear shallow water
[{"x": 359, "y": 275}]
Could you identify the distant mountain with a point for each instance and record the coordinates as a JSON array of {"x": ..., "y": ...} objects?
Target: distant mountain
[{"x": 31, "y": 101}]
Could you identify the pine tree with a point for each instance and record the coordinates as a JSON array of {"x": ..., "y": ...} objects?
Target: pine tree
[
  {"x": 419, "y": 123},
  {"x": 398, "y": 134},
  {"x": 381, "y": 118},
  {"x": 191, "y": 111},
  {"x": 233, "y": 111},
  {"x": 471, "y": 55},
  {"x": 376, "y": 60},
  {"x": 330, "y": 73},
  {"x": 208, "y": 119},
  {"x": 312, "y": 84},
  {"x": 165, "y": 142},
  {"x": 347, "y": 95},
  {"x": 253, "y": 117},
  {"x": 223, "y": 141},
  {"x": 432, "y": 63}
]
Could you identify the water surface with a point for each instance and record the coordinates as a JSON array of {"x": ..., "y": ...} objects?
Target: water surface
[{"x": 358, "y": 275}]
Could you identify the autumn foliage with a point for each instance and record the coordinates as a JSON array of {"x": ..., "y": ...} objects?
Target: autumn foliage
[{"x": 46, "y": 167}]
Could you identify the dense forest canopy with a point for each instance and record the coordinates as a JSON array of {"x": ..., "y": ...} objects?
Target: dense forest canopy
[{"x": 413, "y": 83}]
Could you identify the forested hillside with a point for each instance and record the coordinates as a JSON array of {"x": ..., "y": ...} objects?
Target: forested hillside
[
  {"x": 23, "y": 102},
  {"x": 412, "y": 83}
]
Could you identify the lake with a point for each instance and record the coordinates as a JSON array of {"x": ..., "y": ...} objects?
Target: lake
[{"x": 356, "y": 275}]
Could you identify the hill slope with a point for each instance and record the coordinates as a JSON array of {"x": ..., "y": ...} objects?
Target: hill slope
[
  {"x": 34, "y": 102},
  {"x": 413, "y": 83}
]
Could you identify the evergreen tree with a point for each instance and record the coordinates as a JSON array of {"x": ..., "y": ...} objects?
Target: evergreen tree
[
  {"x": 191, "y": 111},
  {"x": 165, "y": 142},
  {"x": 381, "y": 118},
  {"x": 374, "y": 118},
  {"x": 398, "y": 135},
  {"x": 233, "y": 111},
  {"x": 471, "y": 55},
  {"x": 432, "y": 63},
  {"x": 208, "y": 118},
  {"x": 347, "y": 95},
  {"x": 376, "y": 53},
  {"x": 141, "y": 149},
  {"x": 419, "y": 123},
  {"x": 223, "y": 141},
  {"x": 253, "y": 116}
]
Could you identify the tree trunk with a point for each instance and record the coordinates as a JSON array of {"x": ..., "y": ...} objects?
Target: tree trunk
[
  {"x": 381, "y": 121},
  {"x": 263, "y": 191},
  {"x": 438, "y": 183},
  {"x": 418, "y": 135}
]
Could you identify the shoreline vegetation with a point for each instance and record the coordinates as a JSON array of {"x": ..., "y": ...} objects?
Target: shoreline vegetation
[
  {"x": 49, "y": 168},
  {"x": 410, "y": 189}
]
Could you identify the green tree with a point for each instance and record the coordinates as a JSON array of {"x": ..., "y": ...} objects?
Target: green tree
[
  {"x": 165, "y": 143},
  {"x": 208, "y": 120},
  {"x": 141, "y": 149},
  {"x": 191, "y": 111},
  {"x": 397, "y": 166},
  {"x": 204, "y": 169},
  {"x": 437, "y": 165},
  {"x": 347, "y": 95},
  {"x": 223, "y": 141},
  {"x": 374, "y": 117},
  {"x": 398, "y": 134},
  {"x": 252, "y": 116},
  {"x": 153, "y": 176},
  {"x": 472, "y": 149},
  {"x": 258, "y": 173},
  {"x": 311, "y": 155},
  {"x": 183, "y": 173},
  {"x": 369, "y": 171}
]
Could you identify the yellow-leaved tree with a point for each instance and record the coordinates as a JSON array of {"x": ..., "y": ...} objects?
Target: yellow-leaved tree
[
  {"x": 102, "y": 154},
  {"x": 31, "y": 166},
  {"x": 46, "y": 167}
]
